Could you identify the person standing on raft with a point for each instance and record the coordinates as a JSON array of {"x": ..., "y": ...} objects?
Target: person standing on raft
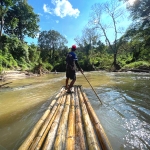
[{"x": 71, "y": 62}]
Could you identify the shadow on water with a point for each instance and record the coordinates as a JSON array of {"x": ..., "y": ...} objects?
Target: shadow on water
[{"x": 124, "y": 115}]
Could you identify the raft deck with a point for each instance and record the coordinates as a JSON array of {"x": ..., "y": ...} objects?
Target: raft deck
[{"x": 69, "y": 123}]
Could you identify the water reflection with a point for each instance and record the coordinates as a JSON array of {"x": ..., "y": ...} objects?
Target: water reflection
[{"x": 125, "y": 113}]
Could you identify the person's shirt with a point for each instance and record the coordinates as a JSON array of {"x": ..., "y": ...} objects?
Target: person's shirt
[{"x": 72, "y": 61}]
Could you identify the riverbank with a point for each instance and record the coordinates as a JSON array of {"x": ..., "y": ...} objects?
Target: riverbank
[
  {"x": 12, "y": 75},
  {"x": 7, "y": 76}
]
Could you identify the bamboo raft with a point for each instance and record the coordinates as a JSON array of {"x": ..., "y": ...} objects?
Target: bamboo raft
[{"x": 69, "y": 123}]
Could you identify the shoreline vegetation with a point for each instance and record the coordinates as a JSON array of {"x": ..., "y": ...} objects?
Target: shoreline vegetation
[{"x": 95, "y": 48}]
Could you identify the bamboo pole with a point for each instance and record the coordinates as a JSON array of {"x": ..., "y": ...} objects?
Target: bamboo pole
[
  {"x": 70, "y": 142},
  {"x": 79, "y": 133},
  {"x": 104, "y": 142},
  {"x": 92, "y": 88},
  {"x": 41, "y": 136},
  {"x": 46, "y": 126},
  {"x": 29, "y": 140},
  {"x": 52, "y": 133},
  {"x": 35, "y": 130},
  {"x": 90, "y": 134},
  {"x": 61, "y": 127},
  {"x": 62, "y": 91},
  {"x": 51, "y": 118},
  {"x": 60, "y": 140}
]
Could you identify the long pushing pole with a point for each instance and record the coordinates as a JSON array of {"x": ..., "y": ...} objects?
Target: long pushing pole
[{"x": 92, "y": 88}]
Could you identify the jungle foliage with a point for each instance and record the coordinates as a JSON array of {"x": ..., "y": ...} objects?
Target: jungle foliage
[{"x": 131, "y": 50}]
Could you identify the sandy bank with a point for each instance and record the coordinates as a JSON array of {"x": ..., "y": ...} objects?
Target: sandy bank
[{"x": 12, "y": 75}]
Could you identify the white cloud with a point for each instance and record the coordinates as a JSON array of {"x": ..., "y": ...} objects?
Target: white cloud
[
  {"x": 46, "y": 9},
  {"x": 62, "y": 9}
]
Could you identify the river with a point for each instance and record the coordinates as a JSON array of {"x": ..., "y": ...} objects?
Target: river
[{"x": 124, "y": 115}]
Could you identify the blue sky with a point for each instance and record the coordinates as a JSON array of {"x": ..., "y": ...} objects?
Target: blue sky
[{"x": 68, "y": 17}]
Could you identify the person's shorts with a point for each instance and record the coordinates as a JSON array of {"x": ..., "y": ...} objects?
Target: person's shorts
[{"x": 71, "y": 74}]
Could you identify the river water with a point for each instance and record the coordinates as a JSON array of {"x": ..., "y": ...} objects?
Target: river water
[{"x": 124, "y": 115}]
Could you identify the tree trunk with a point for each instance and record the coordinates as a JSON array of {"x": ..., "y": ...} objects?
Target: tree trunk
[
  {"x": 115, "y": 57},
  {"x": 1, "y": 29},
  {"x": 116, "y": 66}
]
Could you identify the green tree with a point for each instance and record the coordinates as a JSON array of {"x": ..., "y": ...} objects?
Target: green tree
[
  {"x": 21, "y": 21},
  {"x": 140, "y": 11},
  {"x": 88, "y": 40},
  {"x": 139, "y": 32},
  {"x": 34, "y": 54},
  {"x": 4, "y": 5},
  {"x": 114, "y": 14},
  {"x": 135, "y": 42},
  {"x": 49, "y": 42}
]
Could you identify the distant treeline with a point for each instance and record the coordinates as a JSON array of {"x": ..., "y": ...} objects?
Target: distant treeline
[{"x": 131, "y": 50}]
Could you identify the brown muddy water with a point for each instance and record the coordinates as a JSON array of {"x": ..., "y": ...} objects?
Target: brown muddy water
[{"x": 124, "y": 115}]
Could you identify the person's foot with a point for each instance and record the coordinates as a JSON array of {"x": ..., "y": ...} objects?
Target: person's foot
[
  {"x": 69, "y": 92},
  {"x": 66, "y": 88}
]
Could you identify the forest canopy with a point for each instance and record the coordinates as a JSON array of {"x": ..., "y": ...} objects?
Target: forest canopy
[{"x": 131, "y": 50}]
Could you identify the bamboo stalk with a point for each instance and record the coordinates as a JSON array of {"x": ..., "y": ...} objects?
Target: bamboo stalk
[
  {"x": 62, "y": 91},
  {"x": 49, "y": 119},
  {"x": 60, "y": 140},
  {"x": 52, "y": 133},
  {"x": 90, "y": 134},
  {"x": 53, "y": 115},
  {"x": 104, "y": 142},
  {"x": 45, "y": 127},
  {"x": 31, "y": 137},
  {"x": 35, "y": 130},
  {"x": 92, "y": 88},
  {"x": 70, "y": 142},
  {"x": 61, "y": 127},
  {"x": 79, "y": 133}
]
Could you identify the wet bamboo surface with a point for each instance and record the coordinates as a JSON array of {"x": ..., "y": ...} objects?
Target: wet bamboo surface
[{"x": 69, "y": 123}]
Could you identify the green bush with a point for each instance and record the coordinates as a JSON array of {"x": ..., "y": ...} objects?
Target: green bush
[
  {"x": 136, "y": 65},
  {"x": 47, "y": 66},
  {"x": 7, "y": 62},
  {"x": 105, "y": 61},
  {"x": 125, "y": 59},
  {"x": 24, "y": 67}
]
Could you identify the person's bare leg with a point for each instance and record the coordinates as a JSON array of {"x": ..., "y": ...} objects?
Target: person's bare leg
[
  {"x": 67, "y": 79},
  {"x": 71, "y": 85}
]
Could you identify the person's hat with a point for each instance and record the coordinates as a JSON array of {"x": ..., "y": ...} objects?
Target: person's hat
[{"x": 74, "y": 47}]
